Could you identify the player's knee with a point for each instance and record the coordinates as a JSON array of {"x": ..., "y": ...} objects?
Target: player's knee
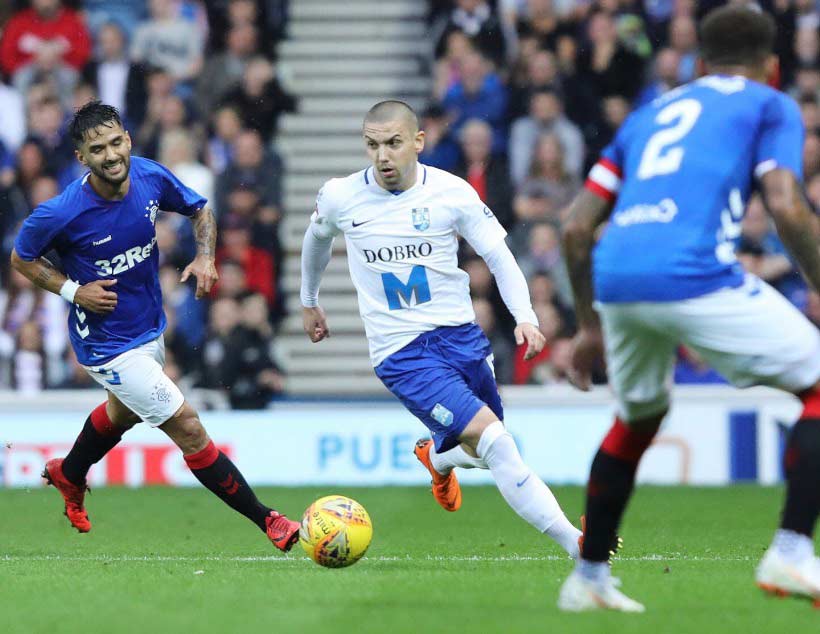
[{"x": 186, "y": 430}]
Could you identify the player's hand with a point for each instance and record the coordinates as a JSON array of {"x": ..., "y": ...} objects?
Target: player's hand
[
  {"x": 96, "y": 296},
  {"x": 315, "y": 323},
  {"x": 535, "y": 340},
  {"x": 587, "y": 354},
  {"x": 204, "y": 270}
]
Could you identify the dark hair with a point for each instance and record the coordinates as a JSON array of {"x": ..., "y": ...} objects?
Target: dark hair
[
  {"x": 91, "y": 115},
  {"x": 736, "y": 35}
]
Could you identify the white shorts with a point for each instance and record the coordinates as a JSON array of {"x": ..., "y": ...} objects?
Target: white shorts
[
  {"x": 751, "y": 334},
  {"x": 136, "y": 378}
]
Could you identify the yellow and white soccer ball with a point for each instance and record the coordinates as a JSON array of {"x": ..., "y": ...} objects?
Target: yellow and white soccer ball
[{"x": 335, "y": 531}]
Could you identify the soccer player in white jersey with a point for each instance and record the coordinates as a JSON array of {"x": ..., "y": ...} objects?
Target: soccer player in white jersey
[
  {"x": 401, "y": 221},
  {"x": 673, "y": 186}
]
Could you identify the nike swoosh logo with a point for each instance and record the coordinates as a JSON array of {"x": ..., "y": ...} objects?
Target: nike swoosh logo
[
  {"x": 520, "y": 484},
  {"x": 359, "y": 224}
]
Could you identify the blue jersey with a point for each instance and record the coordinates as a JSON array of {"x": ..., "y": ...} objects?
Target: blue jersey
[
  {"x": 110, "y": 239},
  {"x": 683, "y": 168}
]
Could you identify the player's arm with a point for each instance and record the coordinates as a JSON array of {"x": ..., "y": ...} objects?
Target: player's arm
[
  {"x": 587, "y": 212},
  {"x": 317, "y": 248},
  {"x": 516, "y": 295},
  {"x": 95, "y": 296},
  {"x": 203, "y": 267},
  {"x": 797, "y": 225}
]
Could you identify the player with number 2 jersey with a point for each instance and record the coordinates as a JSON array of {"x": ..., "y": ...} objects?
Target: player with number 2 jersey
[{"x": 673, "y": 187}]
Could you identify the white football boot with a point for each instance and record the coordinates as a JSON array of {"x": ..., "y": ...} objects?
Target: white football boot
[
  {"x": 776, "y": 575},
  {"x": 579, "y": 594}
]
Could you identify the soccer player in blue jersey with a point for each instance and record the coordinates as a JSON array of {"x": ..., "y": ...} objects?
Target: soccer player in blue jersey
[
  {"x": 672, "y": 187},
  {"x": 102, "y": 228}
]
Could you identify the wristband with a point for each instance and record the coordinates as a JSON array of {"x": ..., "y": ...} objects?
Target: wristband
[{"x": 69, "y": 290}]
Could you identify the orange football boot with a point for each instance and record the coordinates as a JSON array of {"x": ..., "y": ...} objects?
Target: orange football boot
[
  {"x": 282, "y": 532},
  {"x": 73, "y": 494},
  {"x": 446, "y": 490}
]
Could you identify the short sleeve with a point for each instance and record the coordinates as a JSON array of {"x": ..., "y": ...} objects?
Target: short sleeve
[
  {"x": 780, "y": 139},
  {"x": 37, "y": 234},
  {"x": 477, "y": 223},
  {"x": 176, "y": 196},
  {"x": 323, "y": 219}
]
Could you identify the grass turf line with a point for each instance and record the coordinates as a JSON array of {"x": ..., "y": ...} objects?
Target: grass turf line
[{"x": 168, "y": 560}]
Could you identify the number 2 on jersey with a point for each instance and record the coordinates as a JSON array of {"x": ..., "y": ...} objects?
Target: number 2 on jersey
[{"x": 661, "y": 155}]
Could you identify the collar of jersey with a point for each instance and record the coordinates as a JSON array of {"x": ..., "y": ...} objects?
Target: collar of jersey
[
  {"x": 89, "y": 189},
  {"x": 421, "y": 179}
]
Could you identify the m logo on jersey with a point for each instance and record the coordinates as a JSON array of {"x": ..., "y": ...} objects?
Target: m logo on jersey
[{"x": 421, "y": 218}]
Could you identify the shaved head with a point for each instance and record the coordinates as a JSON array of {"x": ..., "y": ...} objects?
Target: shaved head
[{"x": 393, "y": 110}]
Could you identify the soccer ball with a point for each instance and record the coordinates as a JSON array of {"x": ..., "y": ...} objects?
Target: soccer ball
[{"x": 335, "y": 531}]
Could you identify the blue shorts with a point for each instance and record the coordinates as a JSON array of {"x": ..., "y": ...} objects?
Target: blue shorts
[{"x": 444, "y": 377}]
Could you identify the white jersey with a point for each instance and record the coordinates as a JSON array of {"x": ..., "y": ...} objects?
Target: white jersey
[{"x": 402, "y": 251}]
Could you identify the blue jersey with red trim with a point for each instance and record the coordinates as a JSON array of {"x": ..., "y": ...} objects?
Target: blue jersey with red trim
[
  {"x": 681, "y": 170},
  {"x": 110, "y": 239}
]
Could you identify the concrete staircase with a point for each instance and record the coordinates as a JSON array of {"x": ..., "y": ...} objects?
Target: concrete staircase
[{"x": 340, "y": 58}]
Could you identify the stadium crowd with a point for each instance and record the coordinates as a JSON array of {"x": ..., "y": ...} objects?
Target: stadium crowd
[{"x": 525, "y": 94}]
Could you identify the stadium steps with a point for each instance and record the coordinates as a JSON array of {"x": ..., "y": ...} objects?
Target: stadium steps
[{"x": 339, "y": 59}]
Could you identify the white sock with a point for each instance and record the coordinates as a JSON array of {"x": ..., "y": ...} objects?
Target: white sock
[
  {"x": 596, "y": 571},
  {"x": 523, "y": 490},
  {"x": 793, "y": 547},
  {"x": 456, "y": 457}
]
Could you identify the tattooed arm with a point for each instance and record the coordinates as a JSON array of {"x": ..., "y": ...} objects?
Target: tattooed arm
[
  {"x": 95, "y": 296},
  {"x": 203, "y": 268}
]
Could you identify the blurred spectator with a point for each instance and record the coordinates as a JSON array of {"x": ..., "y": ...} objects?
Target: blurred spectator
[
  {"x": 126, "y": 14},
  {"x": 447, "y": 68},
  {"x": 606, "y": 63},
  {"x": 546, "y": 116},
  {"x": 25, "y": 303},
  {"x": 542, "y": 22},
  {"x": 31, "y": 164},
  {"x": 683, "y": 39},
  {"x": 118, "y": 81},
  {"x": 501, "y": 346},
  {"x": 224, "y": 71},
  {"x": 28, "y": 366},
  {"x": 439, "y": 149},
  {"x": 76, "y": 377},
  {"x": 223, "y": 320},
  {"x": 174, "y": 118},
  {"x": 806, "y": 82},
  {"x": 762, "y": 253},
  {"x": 548, "y": 189},
  {"x": 257, "y": 264},
  {"x": 479, "y": 94},
  {"x": 226, "y": 128},
  {"x": 178, "y": 153},
  {"x": 541, "y": 74},
  {"x": 476, "y": 19},
  {"x": 44, "y": 40},
  {"x": 252, "y": 376},
  {"x": 46, "y": 126},
  {"x": 169, "y": 41},
  {"x": 252, "y": 167},
  {"x": 811, "y": 155},
  {"x": 12, "y": 117},
  {"x": 186, "y": 317},
  {"x": 543, "y": 254},
  {"x": 232, "y": 282},
  {"x": 665, "y": 76},
  {"x": 259, "y": 98},
  {"x": 487, "y": 173}
]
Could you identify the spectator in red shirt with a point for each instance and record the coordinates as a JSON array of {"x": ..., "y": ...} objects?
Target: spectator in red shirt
[
  {"x": 45, "y": 40},
  {"x": 257, "y": 263}
]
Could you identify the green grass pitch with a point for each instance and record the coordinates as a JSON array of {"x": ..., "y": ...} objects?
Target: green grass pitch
[{"x": 176, "y": 560}]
